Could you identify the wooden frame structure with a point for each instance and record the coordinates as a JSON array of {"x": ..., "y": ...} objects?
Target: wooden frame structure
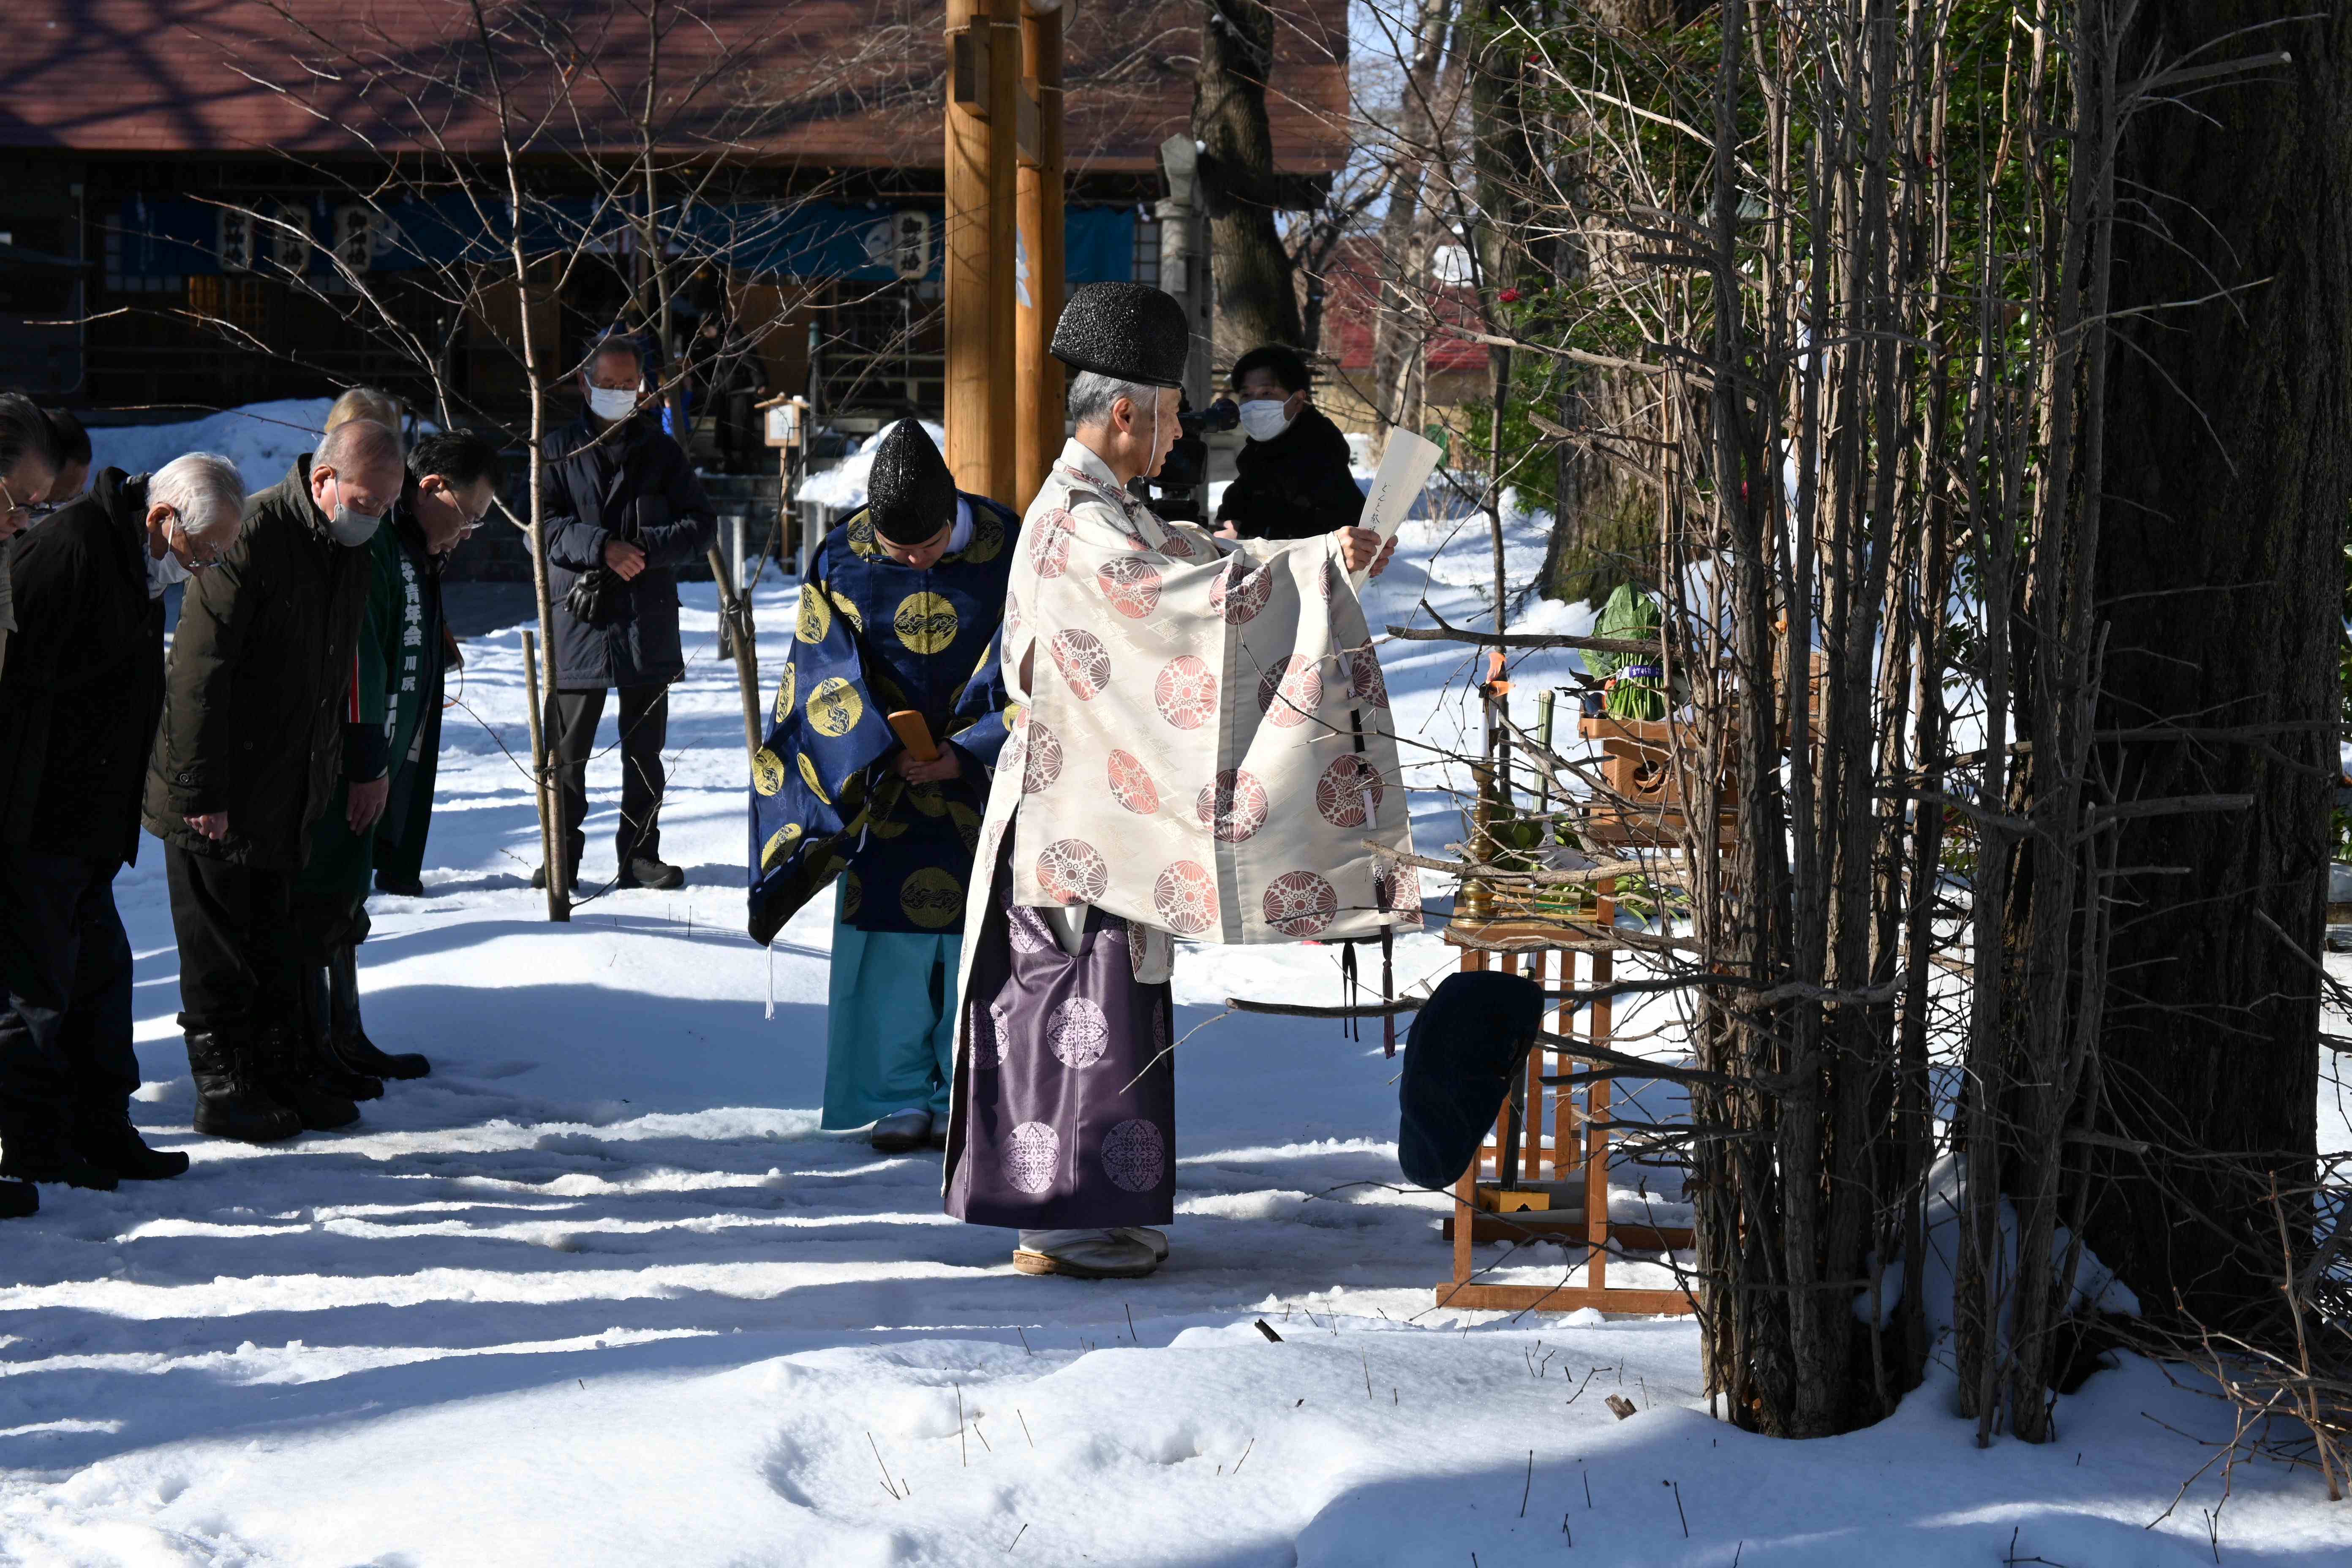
[{"x": 1517, "y": 1188}]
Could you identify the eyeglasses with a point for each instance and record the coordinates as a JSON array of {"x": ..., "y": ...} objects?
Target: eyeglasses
[
  {"x": 188, "y": 547},
  {"x": 19, "y": 512}
]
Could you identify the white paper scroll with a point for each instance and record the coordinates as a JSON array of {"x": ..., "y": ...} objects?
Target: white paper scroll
[{"x": 1405, "y": 468}]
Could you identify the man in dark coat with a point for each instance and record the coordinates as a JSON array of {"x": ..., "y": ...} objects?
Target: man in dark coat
[
  {"x": 624, "y": 511},
  {"x": 395, "y": 707},
  {"x": 248, "y": 755},
  {"x": 78, "y": 709},
  {"x": 1292, "y": 479}
]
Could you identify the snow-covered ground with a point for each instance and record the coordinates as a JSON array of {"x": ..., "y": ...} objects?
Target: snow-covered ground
[{"x": 599, "y": 1292}]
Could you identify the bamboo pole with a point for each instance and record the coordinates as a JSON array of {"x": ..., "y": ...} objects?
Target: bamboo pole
[
  {"x": 538, "y": 774},
  {"x": 1037, "y": 381},
  {"x": 735, "y": 615}
]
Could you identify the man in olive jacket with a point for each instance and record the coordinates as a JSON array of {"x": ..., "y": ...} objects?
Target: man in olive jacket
[
  {"x": 248, "y": 755},
  {"x": 78, "y": 708},
  {"x": 624, "y": 510}
]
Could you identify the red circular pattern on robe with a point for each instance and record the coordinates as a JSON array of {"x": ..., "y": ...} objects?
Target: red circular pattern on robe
[
  {"x": 1395, "y": 889},
  {"x": 1299, "y": 903},
  {"x": 1084, "y": 662},
  {"x": 1186, "y": 898},
  {"x": 1185, "y": 692},
  {"x": 1135, "y": 1155},
  {"x": 1011, "y": 615},
  {"x": 1072, "y": 871},
  {"x": 1365, "y": 681},
  {"x": 1348, "y": 792},
  {"x": 1131, "y": 784},
  {"x": 1234, "y": 808},
  {"x": 1239, "y": 594},
  {"x": 1173, "y": 542},
  {"x": 1049, "y": 544},
  {"x": 1326, "y": 579},
  {"x": 1042, "y": 761},
  {"x": 1131, "y": 585},
  {"x": 1290, "y": 692}
]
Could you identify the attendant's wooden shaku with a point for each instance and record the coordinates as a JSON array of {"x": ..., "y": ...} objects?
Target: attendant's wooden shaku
[{"x": 915, "y": 735}]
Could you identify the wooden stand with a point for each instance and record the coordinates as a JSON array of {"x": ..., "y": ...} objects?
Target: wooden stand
[{"x": 1517, "y": 1189}]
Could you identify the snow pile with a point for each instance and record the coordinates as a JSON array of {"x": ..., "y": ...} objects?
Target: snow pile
[
  {"x": 842, "y": 486},
  {"x": 261, "y": 438}
]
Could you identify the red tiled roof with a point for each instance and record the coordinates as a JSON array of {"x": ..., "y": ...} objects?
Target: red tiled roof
[
  {"x": 1352, "y": 289},
  {"x": 830, "y": 83}
]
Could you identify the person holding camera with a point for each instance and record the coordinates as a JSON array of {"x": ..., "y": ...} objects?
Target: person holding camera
[
  {"x": 1292, "y": 479},
  {"x": 624, "y": 511}
]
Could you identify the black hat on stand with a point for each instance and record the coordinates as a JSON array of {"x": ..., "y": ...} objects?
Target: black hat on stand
[
  {"x": 1466, "y": 1044},
  {"x": 1130, "y": 331},
  {"x": 909, "y": 494}
]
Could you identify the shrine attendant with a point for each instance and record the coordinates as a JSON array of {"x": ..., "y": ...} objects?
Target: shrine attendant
[
  {"x": 1201, "y": 748},
  {"x": 899, "y": 614}
]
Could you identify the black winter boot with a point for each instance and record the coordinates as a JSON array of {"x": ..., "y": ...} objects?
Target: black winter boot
[
  {"x": 111, "y": 1144},
  {"x": 43, "y": 1153},
  {"x": 294, "y": 1075},
  {"x": 230, "y": 1099},
  {"x": 317, "y": 1024},
  {"x": 18, "y": 1199},
  {"x": 346, "y": 1039}
]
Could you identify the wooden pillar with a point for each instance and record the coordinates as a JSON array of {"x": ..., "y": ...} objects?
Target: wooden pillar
[
  {"x": 1038, "y": 385},
  {"x": 983, "y": 124}
]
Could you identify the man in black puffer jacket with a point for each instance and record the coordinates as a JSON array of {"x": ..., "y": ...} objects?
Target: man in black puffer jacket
[
  {"x": 78, "y": 708},
  {"x": 249, "y": 753},
  {"x": 1292, "y": 480},
  {"x": 624, "y": 510}
]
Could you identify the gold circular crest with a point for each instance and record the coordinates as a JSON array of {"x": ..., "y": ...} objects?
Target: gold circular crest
[
  {"x": 853, "y": 894},
  {"x": 967, "y": 824},
  {"x": 767, "y": 771},
  {"x": 784, "y": 690},
  {"x": 834, "y": 708},
  {"x": 927, "y": 799},
  {"x": 861, "y": 537},
  {"x": 808, "y": 777},
  {"x": 849, "y": 608},
  {"x": 816, "y": 618},
  {"x": 926, "y": 622},
  {"x": 931, "y": 898},
  {"x": 987, "y": 539},
  {"x": 779, "y": 844}
]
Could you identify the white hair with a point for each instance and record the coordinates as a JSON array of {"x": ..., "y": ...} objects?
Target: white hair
[
  {"x": 1092, "y": 394},
  {"x": 205, "y": 489}
]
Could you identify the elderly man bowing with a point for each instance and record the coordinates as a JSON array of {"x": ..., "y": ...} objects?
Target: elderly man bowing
[
  {"x": 1202, "y": 751},
  {"x": 78, "y": 708},
  {"x": 249, "y": 753}
]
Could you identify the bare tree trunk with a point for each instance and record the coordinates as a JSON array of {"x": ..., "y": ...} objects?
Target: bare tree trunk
[
  {"x": 2229, "y": 459},
  {"x": 1403, "y": 260},
  {"x": 1257, "y": 300}
]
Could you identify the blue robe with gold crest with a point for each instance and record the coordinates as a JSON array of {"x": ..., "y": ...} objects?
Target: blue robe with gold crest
[{"x": 874, "y": 636}]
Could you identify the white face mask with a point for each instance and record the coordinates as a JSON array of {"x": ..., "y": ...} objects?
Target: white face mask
[
  {"x": 610, "y": 403},
  {"x": 1264, "y": 418},
  {"x": 164, "y": 571}
]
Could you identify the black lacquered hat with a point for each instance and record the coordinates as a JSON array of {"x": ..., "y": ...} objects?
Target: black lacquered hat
[
  {"x": 1467, "y": 1042},
  {"x": 909, "y": 494},
  {"x": 1129, "y": 331}
]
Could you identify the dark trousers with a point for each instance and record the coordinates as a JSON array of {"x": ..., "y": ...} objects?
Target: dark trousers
[
  {"x": 572, "y": 719},
  {"x": 65, "y": 994},
  {"x": 236, "y": 944}
]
